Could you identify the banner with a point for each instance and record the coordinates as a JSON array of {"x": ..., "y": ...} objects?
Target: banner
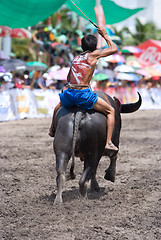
[
  {"x": 45, "y": 101},
  {"x": 19, "y": 103},
  {"x": 6, "y": 107}
]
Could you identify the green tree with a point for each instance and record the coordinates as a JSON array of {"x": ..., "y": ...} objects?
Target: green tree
[{"x": 142, "y": 33}]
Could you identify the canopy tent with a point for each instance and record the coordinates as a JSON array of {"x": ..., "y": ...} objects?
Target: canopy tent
[
  {"x": 113, "y": 13},
  {"x": 21, "y": 14},
  {"x": 24, "y": 13}
]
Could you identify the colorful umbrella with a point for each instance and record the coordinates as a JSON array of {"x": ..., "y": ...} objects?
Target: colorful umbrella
[
  {"x": 128, "y": 77},
  {"x": 115, "y": 58},
  {"x": 20, "y": 32},
  {"x": 133, "y": 61},
  {"x": 149, "y": 71},
  {"x": 108, "y": 72},
  {"x": 157, "y": 67},
  {"x": 100, "y": 77},
  {"x": 17, "y": 32},
  {"x": 53, "y": 68},
  {"x": 131, "y": 49},
  {"x": 5, "y": 31},
  {"x": 36, "y": 65},
  {"x": 14, "y": 65},
  {"x": 152, "y": 71},
  {"x": 60, "y": 74},
  {"x": 124, "y": 68},
  {"x": 143, "y": 72}
]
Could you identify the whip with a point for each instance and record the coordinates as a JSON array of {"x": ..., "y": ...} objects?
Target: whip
[{"x": 84, "y": 15}]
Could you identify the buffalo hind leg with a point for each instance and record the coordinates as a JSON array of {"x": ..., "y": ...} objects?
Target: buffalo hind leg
[
  {"x": 111, "y": 170},
  {"x": 60, "y": 179},
  {"x": 60, "y": 185},
  {"x": 82, "y": 182}
]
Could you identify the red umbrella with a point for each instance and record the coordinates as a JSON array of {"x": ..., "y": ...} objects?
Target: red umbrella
[
  {"x": 5, "y": 31},
  {"x": 17, "y": 32},
  {"x": 20, "y": 32}
]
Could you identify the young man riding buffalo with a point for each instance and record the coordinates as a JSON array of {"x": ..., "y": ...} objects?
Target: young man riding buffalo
[{"x": 80, "y": 74}]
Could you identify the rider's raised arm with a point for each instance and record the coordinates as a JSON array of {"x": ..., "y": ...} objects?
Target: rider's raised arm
[{"x": 104, "y": 52}]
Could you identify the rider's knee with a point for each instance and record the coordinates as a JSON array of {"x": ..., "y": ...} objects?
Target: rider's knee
[{"x": 111, "y": 110}]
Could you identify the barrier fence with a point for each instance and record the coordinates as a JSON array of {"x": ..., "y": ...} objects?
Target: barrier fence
[{"x": 19, "y": 104}]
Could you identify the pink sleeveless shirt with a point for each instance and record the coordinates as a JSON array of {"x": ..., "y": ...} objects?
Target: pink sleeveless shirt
[{"x": 79, "y": 69}]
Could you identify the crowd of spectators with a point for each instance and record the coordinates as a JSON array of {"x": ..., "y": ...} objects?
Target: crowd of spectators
[
  {"x": 62, "y": 51},
  {"x": 43, "y": 80},
  {"x": 39, "y": 80}
]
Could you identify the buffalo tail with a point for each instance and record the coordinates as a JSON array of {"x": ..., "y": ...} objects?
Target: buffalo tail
[{"x": 77, "y": 119}]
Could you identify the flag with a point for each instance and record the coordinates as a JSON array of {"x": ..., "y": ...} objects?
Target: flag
[{"x": 100, "y": 22}]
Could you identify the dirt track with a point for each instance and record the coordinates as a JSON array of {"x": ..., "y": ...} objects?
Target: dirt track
[{"x": 128, "y": 209}]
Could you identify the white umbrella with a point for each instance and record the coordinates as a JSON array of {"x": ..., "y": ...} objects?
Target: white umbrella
[
  {"x": 115, "y": 58},
  {"x": 60, "y": 74},
  {"x": 124, "y": 68},
  {"x": 53, "y": 68},
  {"x": 128, "y": 76}
]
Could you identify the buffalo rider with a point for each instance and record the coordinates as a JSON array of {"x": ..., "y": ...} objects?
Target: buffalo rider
[{"x": 80, "y": 74}]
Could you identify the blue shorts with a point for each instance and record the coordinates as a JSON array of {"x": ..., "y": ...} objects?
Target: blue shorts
[{"x": 84, "y": 98}]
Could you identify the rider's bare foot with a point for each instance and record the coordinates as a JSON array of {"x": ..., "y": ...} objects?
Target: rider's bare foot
[
  {"x": 51, "y": 132},
  {"x": 111, "y": 146}
]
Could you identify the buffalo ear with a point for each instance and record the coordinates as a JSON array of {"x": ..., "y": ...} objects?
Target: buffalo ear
[{"x": 117, "y": 102}]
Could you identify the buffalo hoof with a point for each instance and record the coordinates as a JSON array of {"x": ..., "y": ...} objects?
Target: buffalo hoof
[
  {"x": 94, "y": 187},
  {"x": 83, "y": 190},
  {"x": 109, "y": 176},
  {"x": 70, "y": 176},
  {"x": 58, "y": 200}
]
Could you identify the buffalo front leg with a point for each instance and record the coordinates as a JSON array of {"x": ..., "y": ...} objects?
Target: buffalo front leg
[
  {"x": 111, "y": 170},
  {"x": 94, "y": 187}
]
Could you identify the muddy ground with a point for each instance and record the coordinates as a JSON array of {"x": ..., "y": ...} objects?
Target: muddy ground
[{"x": 127, "y": 209}]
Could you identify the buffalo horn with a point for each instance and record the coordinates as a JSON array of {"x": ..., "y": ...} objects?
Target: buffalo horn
[{"x": 131, "y": 107}]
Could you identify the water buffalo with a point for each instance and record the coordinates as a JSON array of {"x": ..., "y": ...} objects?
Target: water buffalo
[{"x": 82, "y": 133}]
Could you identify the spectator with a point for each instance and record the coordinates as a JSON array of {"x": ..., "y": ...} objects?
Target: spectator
[
  {"x": 50, "y": 84},
  {"x": 34, "y": 83},
  {"x": 27, "y": 79},
  {"x": 42, "y": 81},
  {"x": 45, "y": 82},
  {"x": 20, "y": 81},
  {"x": 6, "y": 82}
]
